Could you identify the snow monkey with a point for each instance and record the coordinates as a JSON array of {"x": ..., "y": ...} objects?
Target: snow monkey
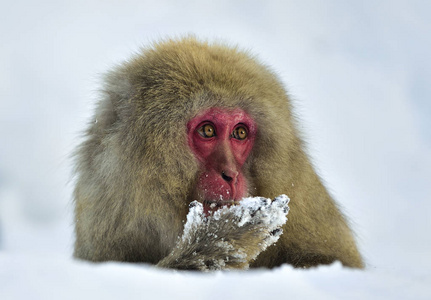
[{"x": 187, "y": 120}]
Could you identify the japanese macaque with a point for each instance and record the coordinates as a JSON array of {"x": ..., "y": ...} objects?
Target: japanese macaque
[{"x": 186, "y": 120}]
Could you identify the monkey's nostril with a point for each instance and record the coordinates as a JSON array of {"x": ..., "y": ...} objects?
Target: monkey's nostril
[{"x": 225, "y": 177}]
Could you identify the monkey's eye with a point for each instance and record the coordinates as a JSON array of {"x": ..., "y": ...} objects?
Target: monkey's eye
[
  {"x": 206, "y": 131},
  {"x": 240, "y": 133}
]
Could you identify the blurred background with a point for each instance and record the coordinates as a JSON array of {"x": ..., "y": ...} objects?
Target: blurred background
[{"x": 359, "y": 73}]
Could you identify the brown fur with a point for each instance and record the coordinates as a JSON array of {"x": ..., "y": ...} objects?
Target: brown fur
[{"x": 136, "y": 173}]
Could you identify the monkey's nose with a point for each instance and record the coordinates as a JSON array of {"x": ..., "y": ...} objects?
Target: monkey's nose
[
  {"x": 226, "y": 177},
  {"x": 230, "y": 176}
]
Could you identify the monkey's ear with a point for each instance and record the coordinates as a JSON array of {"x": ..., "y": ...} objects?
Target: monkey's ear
[
  {"x": 116, "y": 93},
  {"x": 230, "y": 238},
  {"x": 106, "y": 116}
]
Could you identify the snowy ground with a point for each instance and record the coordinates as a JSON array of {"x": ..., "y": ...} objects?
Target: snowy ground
[
  {"x": 359, "y": 73},
  {"x": 39, "y": 277}
]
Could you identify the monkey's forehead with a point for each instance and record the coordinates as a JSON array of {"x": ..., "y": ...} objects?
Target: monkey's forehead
[{"x": 220, "y": 114}]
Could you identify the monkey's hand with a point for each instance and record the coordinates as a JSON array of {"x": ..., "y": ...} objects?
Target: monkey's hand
[{"x": 231, "y": 237}]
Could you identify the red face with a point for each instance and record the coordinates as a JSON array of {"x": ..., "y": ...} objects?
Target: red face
[{"x": 221, "y": 139}]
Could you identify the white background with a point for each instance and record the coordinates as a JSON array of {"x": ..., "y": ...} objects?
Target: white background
[{"x": 358, "y": 71}]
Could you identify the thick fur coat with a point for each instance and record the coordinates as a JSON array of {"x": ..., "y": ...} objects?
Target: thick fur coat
[{"x": 136, "y": 173}]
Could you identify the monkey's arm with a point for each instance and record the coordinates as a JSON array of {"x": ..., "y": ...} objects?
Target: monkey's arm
[{"x": 231, "y": 237}]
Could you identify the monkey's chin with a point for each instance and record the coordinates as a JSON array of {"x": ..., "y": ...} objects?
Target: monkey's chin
[{"x": 210, "y": 206}]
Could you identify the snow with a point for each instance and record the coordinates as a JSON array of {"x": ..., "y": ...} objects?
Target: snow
[
  {"x": 359, "y": 75},
  {"x": 256, "y": 212},
  {"x": 195, "y": 218},
  {"x": 259, "y": 209},
  {"x": 214, "y": 240},
  {"x": 41, "y": 277}
]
